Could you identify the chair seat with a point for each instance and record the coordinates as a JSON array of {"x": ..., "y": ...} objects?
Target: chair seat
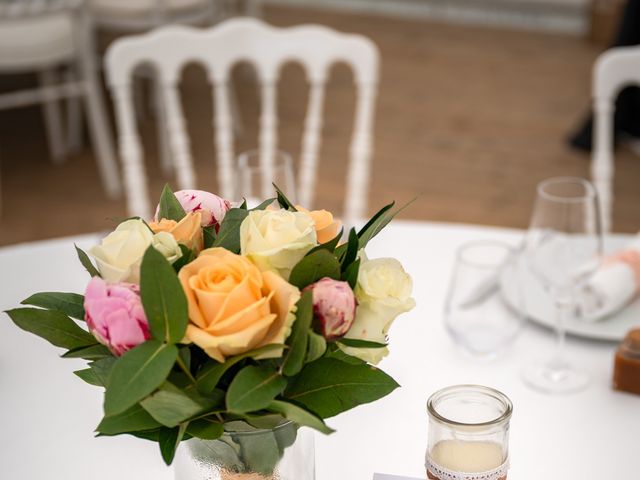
[
  {"x": 142, "y": 8},
  {"x": 36, "y": 41}
]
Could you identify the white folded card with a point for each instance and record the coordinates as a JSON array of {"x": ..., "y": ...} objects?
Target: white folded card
[{"x": 382, "y": 476}]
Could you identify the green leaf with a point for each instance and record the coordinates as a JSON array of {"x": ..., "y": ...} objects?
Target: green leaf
[
  {"x": 350, "y": 275},
  {"x": 299, "y": 338},
  {"x": 253, "y": 388},
  {"x": 171, "y": 405},
  {"x": 317, "y": 347},
  {"x": 329, "y": 246},
  {"x": 313, "y": 267},
  {"x": 338, "y": 354},
  {"x": 138, "y": 373},
  {"x": 260, "y": 452},
  {"x": 92, "y": 352},
  {"x": 229, "y": 234},
  {"x": 265, "y": 421},
  {"x": 205, "y": 428},
  {"x": 283, "y": 200},
  {"x": 210, "y": 375},
  {"x": 209, "y": 234},
  {"x": 169, "y": 439},
  {"x": 263, "y": 205},
  {"x": 187, "y": 256},
  {"x": 170, "y": 207},
  {"x": 86, "y": 263},
  {"x": 102, "y": 369},
  {"x": 355, "y": 343},
  {"x": 163, "y": 298},
  {"x": 70, "y": 304},
  {"x": 299, "y": 415},
  {"x": 328, "y": 387},
  {"x": 134, "y": 419},
  {"x": 352, "y": 250},
  {"x": 378, "y": 222},
  {"x": 53, "y": 326},
  {"x": 88, "y": 376}
]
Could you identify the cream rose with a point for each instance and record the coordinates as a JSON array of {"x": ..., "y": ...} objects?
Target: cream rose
[
  {"x": 234, "y": 307},
  {"x": 383, "y": 292},
  {"x": 120, "y": 253},
  {"x": 187, "y": 231},
  {"x": 277, "y": 240}
]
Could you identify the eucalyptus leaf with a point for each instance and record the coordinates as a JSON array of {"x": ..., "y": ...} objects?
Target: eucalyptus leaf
[
  {"x": 92, "y": 352},
  {"x": 138, "y": 373},
  {"x": 132, "y": 420},
  {"x": 312, "y": 268},
  {"x": 328, "y": 386},
  {"x": 88, "y": 376},
  {"x": 210, "y": 375},
  {"x": 229, "y": 235},
  {"x": 317, "y": 347},
  {"x": 86, "y": 262},
  {"x": 70, "y": 304},
  {"x": 169, "y": 439},
  {"x": 299, "y": 415},
  {"x": 170, "y": 208},
  {"x": 171, "y": 405},
  {"x": 53, "y": 326},
  {"x": 299, "y": 338},
  {"x": 205, "y": 428},
  {"x": 163, "y": 298},
  {"x": 253, "y": 388}
]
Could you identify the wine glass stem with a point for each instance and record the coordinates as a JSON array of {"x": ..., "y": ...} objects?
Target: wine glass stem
[{"x": 563, "y": 307}]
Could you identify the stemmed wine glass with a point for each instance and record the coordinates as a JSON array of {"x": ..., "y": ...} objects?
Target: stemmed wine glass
[{"x": 563, "y": 248}]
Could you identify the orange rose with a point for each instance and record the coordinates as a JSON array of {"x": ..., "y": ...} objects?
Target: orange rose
[
  {"x": 326, "y": 226},
  {"x": 187, "y": 231},
  {"x": 233, "y": 307}
]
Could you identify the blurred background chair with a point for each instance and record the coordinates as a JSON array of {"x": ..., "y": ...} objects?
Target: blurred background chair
[
  {"x": 614, "y": 70},
  {"x": 219, "y": 49},
  {"x": 50, "y": 38}
]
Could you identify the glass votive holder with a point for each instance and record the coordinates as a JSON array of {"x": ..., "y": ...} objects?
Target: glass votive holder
[{"x": 468, "y": 434}]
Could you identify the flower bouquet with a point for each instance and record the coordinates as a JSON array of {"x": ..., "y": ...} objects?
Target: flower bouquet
[{"x": 215, "y": 320}]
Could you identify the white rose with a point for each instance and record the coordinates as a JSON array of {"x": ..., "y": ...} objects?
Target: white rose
[
  {"x": 120, "y": 253},
  {"x": 277, "y": 239},
  {"x": 383, "y": 292}
]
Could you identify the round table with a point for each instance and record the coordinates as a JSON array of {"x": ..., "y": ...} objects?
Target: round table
[{"x": 47, "y": 414}]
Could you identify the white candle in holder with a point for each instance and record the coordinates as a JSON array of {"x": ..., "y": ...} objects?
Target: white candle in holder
[{"x": 468, "y": 434}]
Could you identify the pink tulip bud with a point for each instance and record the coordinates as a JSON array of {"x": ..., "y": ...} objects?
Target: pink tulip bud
[
  {"x": 115, "y": 316},
  {"x": 334, "y": 307},
  {"x": 212, "y": 207}
]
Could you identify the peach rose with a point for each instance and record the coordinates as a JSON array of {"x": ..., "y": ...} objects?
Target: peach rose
[
  {"x": 233, "y": 307},
  {"x": 187, "y": 231},
  {"x": 326, "y": 226}
]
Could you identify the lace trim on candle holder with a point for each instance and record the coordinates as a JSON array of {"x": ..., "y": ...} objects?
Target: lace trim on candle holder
[{"x": 441, "y": 473}]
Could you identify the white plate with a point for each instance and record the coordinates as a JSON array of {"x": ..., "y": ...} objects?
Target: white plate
[{"x": 540, "y": 309}]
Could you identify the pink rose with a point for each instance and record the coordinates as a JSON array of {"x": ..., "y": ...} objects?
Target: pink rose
[
  {"x": 212, "y": 207},
  {"x": 334, "y": 307},
  {"x": 115, "y": 316}
]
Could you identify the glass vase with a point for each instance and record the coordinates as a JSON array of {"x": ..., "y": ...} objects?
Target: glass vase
[{"x": 285, "y": 452}]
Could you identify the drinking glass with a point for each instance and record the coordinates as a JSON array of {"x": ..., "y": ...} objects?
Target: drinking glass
[
  {"x": 476, "y": 316},
  {"x": 563, "y": 248},
  {"x": 256, "y": 173},
  {"x": 468, "y": 434}
]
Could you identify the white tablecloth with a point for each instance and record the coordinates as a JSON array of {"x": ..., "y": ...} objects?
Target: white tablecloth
[{"x": 47, "y": 414}]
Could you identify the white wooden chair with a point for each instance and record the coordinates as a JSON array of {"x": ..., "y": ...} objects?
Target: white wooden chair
[
  {"x": 268, "y": 48},
  {"x": 615, "y": 69},
  {"x": 42, "y": 36}
]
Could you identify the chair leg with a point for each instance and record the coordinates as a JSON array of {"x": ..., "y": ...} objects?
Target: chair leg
[
  {"x": 164, "y": 149},
  {"x": 101, "y": 138},
  {"x": 74, "y": 118},
  {"x": 53, "y": 119},
  {"x": 236, "y": 113}
]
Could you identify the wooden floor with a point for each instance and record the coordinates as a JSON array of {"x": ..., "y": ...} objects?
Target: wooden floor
[{"x": 469, "y": 119}]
